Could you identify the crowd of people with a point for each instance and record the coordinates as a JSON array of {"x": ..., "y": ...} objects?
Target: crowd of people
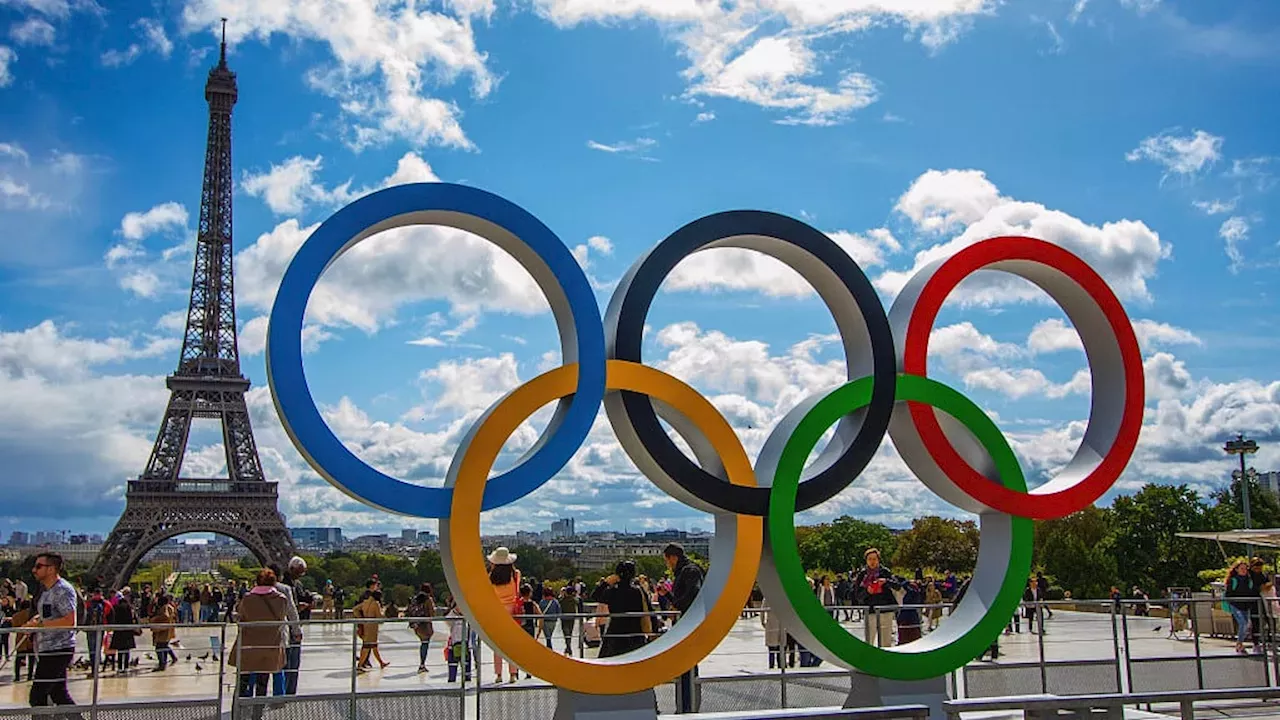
[{"x": 628, "y": 610}]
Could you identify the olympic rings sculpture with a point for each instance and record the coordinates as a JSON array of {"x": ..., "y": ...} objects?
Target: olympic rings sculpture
[{"x": 944, "y": 438}]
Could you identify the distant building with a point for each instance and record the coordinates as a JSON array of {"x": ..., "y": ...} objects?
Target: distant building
[
  {"x": 79, "y": 540},
  {"x": 17, "y": 537},
  {"x": 380, "y": 540},
  {"x": 562, "y": 529},
  {"x": 409, "y": 537},
  {"x": 1270, "y": 481},
  {"x": 47, "y": 537},
  {"x": 317, "y": 538},
  {"x": 96, "y": 539},
  {"x": 427, "y": 538}
]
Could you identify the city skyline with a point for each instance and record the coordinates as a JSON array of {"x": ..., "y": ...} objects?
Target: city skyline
[{"x": 1143, "y": 149}]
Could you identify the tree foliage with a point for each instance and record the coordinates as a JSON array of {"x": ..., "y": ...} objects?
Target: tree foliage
[
  {"x": 940, "y": 543},
  {"x": 839, "y": 545},
  {"x": 1145, "y": 535},
  {"x": 1077, "y": 552}
]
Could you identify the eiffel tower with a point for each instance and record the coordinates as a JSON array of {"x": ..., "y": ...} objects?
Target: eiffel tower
[{"x": 208, "y": 384}]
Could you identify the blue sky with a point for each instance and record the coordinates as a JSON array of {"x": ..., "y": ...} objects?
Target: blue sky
[{"x": 1138, "y": 133}]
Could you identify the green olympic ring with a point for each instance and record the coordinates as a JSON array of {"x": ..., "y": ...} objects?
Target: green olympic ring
[{"x": 977, "y": 621}]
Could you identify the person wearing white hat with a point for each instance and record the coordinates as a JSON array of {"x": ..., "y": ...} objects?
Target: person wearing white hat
[{"x": 505, "y": 579}]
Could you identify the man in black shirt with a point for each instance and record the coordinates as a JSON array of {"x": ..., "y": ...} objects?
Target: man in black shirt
[{"x": 686, "y": 581}]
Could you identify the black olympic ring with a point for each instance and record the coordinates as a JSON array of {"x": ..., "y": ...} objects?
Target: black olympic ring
[{"x": 865, "y": 333}]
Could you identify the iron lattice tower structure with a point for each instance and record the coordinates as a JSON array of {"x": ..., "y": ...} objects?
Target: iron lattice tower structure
[{"x": 208, "y": 384}]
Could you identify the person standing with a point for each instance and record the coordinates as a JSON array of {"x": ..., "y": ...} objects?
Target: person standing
[
  {"x": 873, "y": 587},
  {"x": 292, "y": 632},
  {"x": 95, "y": 614},
  {"x": 1243, "y": 595},
  {"x": 550, "y": 608},
  {"x": 570, "y": 606},
  {"x": 505, "y": 579},
  {"x": 55, "y": 644},
  {"x": 422, "y": 610},
  {"x": 258, "y": 653},
  {"x": 300, "y": 600},
  {"x": 686, "y": 582},
  {"x": 623, "y": 595},
  {"x": 163, "y": 617},
  {"x": 124, "y": 637}
]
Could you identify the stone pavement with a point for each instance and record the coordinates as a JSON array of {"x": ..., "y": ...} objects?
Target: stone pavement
[{"x": 327, "y": 651}]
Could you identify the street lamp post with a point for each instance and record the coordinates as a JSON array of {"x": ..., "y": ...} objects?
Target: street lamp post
[{"x": 1242, "y": 447}]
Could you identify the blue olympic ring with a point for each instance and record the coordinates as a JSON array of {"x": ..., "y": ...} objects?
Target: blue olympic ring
[{"x": 506, "y": 225}]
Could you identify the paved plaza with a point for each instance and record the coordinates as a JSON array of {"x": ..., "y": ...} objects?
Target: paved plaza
[{"x": 327, "y": 653}]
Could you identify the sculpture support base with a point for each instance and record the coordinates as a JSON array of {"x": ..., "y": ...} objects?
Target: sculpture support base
[
  {"x": 870, "y": 691},
  {"x": 579, "y": 706}
]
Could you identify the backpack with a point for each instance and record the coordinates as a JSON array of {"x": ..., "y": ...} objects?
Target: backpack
[{"x": 95, "y": 612}]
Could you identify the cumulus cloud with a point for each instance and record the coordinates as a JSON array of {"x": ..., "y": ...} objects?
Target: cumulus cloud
[
  {"x": 386, "y": 59},
  {"x": 739, "y": 269},
  {"x": 1184, "y": 155},
  {"x": 291, "y": 186},
  {"x": 762, "y": 52},
  {"x": 136, "y": 272},
  {"x": 1125, "y": 252}
]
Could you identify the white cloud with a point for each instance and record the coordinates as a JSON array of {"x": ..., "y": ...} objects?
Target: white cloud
[
  {"x": 153, "y": 37},
  {"x": 638, "y": 148},
  {"x": 7, "y": 58},
  {"x": 943, "y": 200},
  {"x": 162, "y": 217},
  {"x": 1183, "y": 155},
  {"x": 15, "y": 194},
  {"x": 706, "y": 116},
  {"x": 142, "y": 282},
  {"x": 1215, "y": 207},
  {"x": 739, "y": 269},
  {"x": 600, "y": 244},
  {"x": 387, "y": 55},
  {"x": 14, "y": 150},
  {"x": 1054, "y": 335},
  {"x": 47, "y": 351},
  {"x": 1124, "y": 252},
  {"x": 32, "y": 31},
  {"x": 1022, "y": 382},
  {"x": 1233, "y": 231},
  {"x": 761, "y": 51},
  {"x": 290, "y": 187},
  {"x": 144, "y": 279}
]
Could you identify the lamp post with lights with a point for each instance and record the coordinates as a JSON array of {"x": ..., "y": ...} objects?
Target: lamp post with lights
[{"x": 1242, "y": 447}]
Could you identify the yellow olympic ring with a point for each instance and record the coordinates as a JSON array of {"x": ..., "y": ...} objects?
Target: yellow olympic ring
[{"x": 698, "y": 631}]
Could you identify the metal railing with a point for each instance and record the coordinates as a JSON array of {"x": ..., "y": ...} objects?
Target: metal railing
[{"x": 1070, "y": 648}]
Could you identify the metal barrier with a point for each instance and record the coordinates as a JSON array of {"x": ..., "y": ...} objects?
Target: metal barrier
[
  {"x": 1111, "y": 704},
  {"x": 1107, "y": 649}
]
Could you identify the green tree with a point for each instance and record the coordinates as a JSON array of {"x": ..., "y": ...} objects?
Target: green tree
[
  {"x": 939, "y": 543},
  {"x": 840, "y": 544},
  {"x": 431, "y": 569},
  {"x": 1227, "y": 512},
  {"x": 651, "y": 566},
  {"x": 1148, "y": 551},
  {"x": 1077, "y": 551}
]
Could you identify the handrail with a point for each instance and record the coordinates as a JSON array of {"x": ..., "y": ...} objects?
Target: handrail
[{"x": 1185, "y": 698}]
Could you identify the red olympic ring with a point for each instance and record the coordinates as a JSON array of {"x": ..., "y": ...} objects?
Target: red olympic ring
[{"x": 1021, "y": 255}]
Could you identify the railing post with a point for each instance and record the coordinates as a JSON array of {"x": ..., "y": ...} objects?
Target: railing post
[
  {"x": 1195, "y": 635},
  {"x": 95, "y": 667},
  {"x": 1044, "y": 672},
  {"x": 222, "y": 663},
  {"x": 1115, "y": 641},
  {"x": 463, "y": 666},
  {"x": 235, "y": 696},
  {"x": 1128, "y": 652},
  {"x": 355, "y": 665}
]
